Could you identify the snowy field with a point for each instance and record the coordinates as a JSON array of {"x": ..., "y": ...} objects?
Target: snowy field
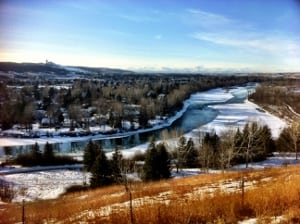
[
  {"x": 44, "y": 184},
  {"x": 51, "y": 184}
]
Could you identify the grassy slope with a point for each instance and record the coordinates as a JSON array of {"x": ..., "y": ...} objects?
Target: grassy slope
[{"x": 215, "y": 198}]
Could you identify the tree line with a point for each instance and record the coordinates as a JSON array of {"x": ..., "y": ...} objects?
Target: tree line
[
  {"x": 252, "y": 143},
  {"x": 249, "y": 144},
  {"x": 107, "y": 100},
  {"x": 278, "y": 93},
  {"x": 47, "y": 157}
]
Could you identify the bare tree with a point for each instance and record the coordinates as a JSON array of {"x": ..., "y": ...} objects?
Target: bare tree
[
  {"x": 289, "y": 139},
  {"x": 74, "y": 115},
  {"x": 252, "y": 143},
  {"x": 295, "y": 136},
  {"x": 227, "y": 149},
  {"x": 205, "y": 157}
]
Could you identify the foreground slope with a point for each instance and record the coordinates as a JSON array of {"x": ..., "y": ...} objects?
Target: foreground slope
[{"x": 221, "y": 198}]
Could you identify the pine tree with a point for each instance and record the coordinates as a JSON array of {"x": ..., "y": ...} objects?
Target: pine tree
[
  {"x": 163, "y": 161},
  {"x": 101, "y": 172},
  {"x": 48, "y": 154},
  {"x": 253, "y": 144},
  {"x": 269, "y": 143},
  {"x": 289, "y": 139},
  {"x": 211, "y": 143},
  {"x": 90, "y": 153},
  {"x": 116, "y": 165},
  {"x": 151, "y": 163},
  {"x": 238, "y": 139},
  {"x": 36, "y": 154}
]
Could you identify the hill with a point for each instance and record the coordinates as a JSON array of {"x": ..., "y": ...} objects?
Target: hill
[
  {"x": 50, "y": 67},
  {"x": 265, "y": 196}
]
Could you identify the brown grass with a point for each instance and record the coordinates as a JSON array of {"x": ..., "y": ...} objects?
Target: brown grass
[{"x": 207, "y": 198}]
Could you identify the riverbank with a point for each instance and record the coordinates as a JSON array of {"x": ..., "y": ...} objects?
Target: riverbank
[
  {"x": 229, "y": 114},
  {"x": 160, "y": 124}
]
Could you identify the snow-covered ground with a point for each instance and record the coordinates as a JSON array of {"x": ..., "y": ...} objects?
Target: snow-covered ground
[
  {"x": 44, "y": 184},
  {"x": 51, "y": 184},
  {"x": 279, "y": 159}
]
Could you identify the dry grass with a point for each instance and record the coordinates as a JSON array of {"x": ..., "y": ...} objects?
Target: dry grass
[{"x": 209, "y": 198}]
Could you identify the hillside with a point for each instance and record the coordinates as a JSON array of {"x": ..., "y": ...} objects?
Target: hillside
[
  {"x": 52, "y": 70},
  {"x": 270, "y": 194}
]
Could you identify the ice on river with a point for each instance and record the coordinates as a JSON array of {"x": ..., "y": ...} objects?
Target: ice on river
[{"x": 237, "y": 115}]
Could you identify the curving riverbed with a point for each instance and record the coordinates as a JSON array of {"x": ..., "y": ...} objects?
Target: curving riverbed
[{"x": 201, "y": 113}]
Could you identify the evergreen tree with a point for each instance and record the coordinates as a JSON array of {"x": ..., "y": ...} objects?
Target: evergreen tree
[
  {"x": 101, "y": 172},
  {"x": 212, "y": 143},
  {"x": 36, "y": 153},
  {"x": 48, "y": 154},
  {"x": 116, "y": 164},
  {"x": 269, "y": 143},
  {"x": 253, "y": 144},
  {"x": 150, "y": 168},
  {"x": 90, "y": 153},
  {"x": 238, "y": 141},
  {"x": 163, "y": 161},
  {"x": 289, "y": 139}
]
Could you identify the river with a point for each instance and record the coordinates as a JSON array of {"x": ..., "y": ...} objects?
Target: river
[{"x": 196, "y": 113}]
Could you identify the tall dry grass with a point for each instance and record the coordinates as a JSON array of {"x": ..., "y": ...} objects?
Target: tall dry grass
[{"x": 268, "y": 193}]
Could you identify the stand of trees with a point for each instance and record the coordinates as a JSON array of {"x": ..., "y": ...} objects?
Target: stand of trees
[
  {"x": 289, "y": 139},
  {"x": 157, "y": 163},
  {"x": 252, "y": 143},
  {"x": 104, "y": 172},
  {"x": 106, "y": 99},
  {"x": 45, "y": 158}
]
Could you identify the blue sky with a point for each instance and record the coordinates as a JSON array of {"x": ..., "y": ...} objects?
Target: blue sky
[{"x": 157, "y": 35}]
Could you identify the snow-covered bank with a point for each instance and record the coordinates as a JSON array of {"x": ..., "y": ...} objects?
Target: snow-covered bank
[
  {"x": 9, "y": 141},
  {"x": 13, "y": 170},
  {"x": 232, "y": 116},
  {"x": 217, "y": 95}
]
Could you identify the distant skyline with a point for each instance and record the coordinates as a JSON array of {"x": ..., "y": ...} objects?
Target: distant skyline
[{"x": 157, "y": 35}]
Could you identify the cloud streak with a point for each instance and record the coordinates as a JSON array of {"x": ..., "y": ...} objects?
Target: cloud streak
[
  {"x": 209, "y": 19},
  {"x": 267, "y": 44}
]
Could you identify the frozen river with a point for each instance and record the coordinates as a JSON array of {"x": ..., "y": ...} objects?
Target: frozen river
[{"x": 207, "y": 111}]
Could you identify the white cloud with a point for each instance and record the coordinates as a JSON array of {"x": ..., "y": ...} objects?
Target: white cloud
[
  {"x": 268, "y": 43},
  {"x": 207, "y": 19}
]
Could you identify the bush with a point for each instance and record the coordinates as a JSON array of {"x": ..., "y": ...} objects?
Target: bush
[{"x": 7, "y": 192}]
